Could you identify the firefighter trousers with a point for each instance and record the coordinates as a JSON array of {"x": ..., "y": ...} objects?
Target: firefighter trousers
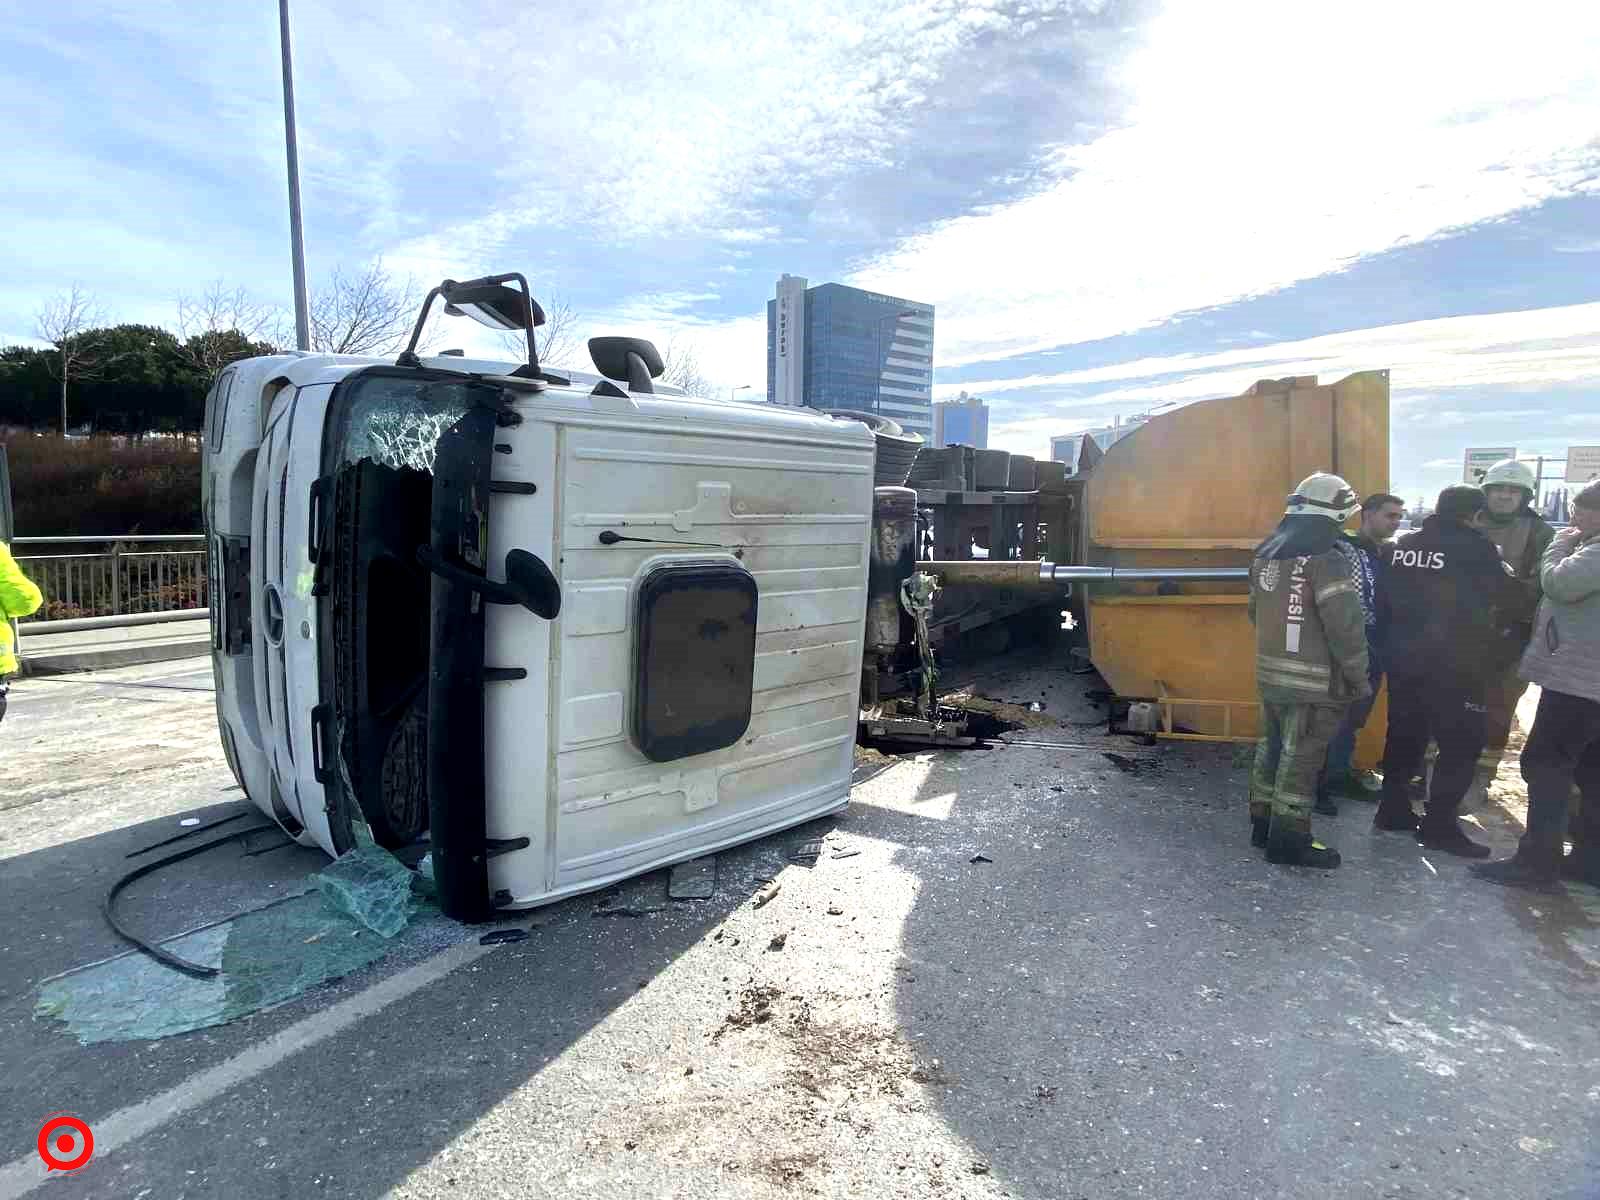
[{"x": 1289, "y": 759}]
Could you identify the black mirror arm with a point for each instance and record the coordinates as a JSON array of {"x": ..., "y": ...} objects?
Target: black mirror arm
[
  {"x": 533, "y": 313},
  {"x": 494, "y": 593},
  {"x": 408, "y": 356}
]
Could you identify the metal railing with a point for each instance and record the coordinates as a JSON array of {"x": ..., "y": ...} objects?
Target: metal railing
[{"x": 135, "y": 573}]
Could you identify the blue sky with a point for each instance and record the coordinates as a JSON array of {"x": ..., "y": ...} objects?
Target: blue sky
[{"x": 1111, "y": 205}]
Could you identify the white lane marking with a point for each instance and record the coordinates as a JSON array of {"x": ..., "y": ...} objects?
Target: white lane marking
[{"x": 23, "y": 1175}]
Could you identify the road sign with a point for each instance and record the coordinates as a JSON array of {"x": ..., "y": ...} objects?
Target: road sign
[
  {"x": 1583, "y": 465},
  {"x": 1479, "y": 461}
]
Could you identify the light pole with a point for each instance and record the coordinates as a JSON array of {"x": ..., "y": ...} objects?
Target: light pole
[
  {"x": 302, "y": 322},
  {"x": 877, "y": 403},
  {"x": 743, "y": 387}
]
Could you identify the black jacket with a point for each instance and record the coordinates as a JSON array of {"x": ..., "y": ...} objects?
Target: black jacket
[{"x": 1447, "y": 586}]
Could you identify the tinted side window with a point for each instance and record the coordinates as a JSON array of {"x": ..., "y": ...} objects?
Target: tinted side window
[
  {"x": 696, "y": 659},
  {"x": 217, "y": 408}
]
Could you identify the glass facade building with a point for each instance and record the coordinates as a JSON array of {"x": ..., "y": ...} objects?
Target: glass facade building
[{"x": 837, "y": 347}]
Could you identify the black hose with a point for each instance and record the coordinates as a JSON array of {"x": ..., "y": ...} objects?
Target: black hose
[
  {"x": 187, "y": 833},
  {"x": 154, "y": 951}
]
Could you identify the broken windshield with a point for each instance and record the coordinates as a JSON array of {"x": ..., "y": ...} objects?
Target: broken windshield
[{"x": 396, "y": 419}]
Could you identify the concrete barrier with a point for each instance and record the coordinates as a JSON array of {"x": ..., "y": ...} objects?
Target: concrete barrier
[{"x": 99, "y": 643}]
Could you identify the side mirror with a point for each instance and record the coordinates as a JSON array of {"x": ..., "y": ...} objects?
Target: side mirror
[
  {"x": 491, "y": 304},
  {"x": 535, "y": 585},
  {"x": 635, "y": 361}
]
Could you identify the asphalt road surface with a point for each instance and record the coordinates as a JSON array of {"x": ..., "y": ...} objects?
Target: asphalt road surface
[{"x": 1124, "y": 1000}]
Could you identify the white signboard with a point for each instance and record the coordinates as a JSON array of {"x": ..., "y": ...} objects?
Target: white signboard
[
  {"x": 789, "y": 376},
  {"x": 1583, "y": 465},
  {"x": 1479, "y": 461}
]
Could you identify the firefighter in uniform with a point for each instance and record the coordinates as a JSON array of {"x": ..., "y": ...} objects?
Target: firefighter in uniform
[
  {"x": 1311, "y": 662},
  {"x": 1521, "y": 537},
  {"x": 1447, "y": 591}
]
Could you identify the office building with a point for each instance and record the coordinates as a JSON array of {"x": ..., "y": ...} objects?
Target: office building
[
  {"x": 963, "y": 421},
  {"x": 837, "y": 347}
]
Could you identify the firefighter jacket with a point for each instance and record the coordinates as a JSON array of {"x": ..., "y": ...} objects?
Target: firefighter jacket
[
  {"x": 1311, "y": 642},
  {"x": 1522, "y": 542}
]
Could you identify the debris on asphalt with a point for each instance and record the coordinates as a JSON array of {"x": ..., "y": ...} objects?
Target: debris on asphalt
[
  {"x": 980, "y": 858},
  {"x": 807, "y": 853},
  {"x": 1123, "y": 763},
  {"x": 501, "y": 937},
  {"x": 767, "y": 892},
  {"x": 779, "y": 941},
  {"x": 845, "y": 852},
  {"x": 263, "y": 957},
  {"x": 629, "y": 910},
  {"x": 1016, "y": 716},
  {"x": 694, "y": 880},
  {"x": 372, "y": 886},
  {"x": 755, "y": 1008}
]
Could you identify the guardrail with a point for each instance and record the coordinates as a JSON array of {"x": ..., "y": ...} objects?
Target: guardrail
[{"x": 134, "y": 573}]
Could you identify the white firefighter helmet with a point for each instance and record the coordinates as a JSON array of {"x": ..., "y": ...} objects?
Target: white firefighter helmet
[
  {"x": 1511, "y": 473},
  {"x": 1323, "y": 495}
]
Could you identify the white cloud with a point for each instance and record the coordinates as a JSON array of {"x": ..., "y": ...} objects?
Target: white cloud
[
  {"x": 1549, "y": 347},
  {"x": 682, "y": 117},
  {"x": 1265, "y": 144}
]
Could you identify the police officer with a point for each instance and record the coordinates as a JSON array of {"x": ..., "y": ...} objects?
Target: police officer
[
  {"x": 1447, "y": 587},
  {"x": 1521, "y": 536},
  {"x": 1311, "y": 662}
]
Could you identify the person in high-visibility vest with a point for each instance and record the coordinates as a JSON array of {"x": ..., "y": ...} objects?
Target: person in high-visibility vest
[{"x": 19, "y": 597}]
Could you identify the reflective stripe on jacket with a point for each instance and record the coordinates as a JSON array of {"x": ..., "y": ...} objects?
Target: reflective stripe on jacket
[{"x": 1311, "y": 644}]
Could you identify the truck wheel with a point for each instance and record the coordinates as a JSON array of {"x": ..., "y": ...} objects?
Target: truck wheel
[{"x": 402, "y": 810}]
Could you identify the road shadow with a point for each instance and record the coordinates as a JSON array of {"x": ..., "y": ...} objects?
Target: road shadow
[
  {"x": 1128, "y": 1001},
  {"x": 449, "y": 1054}
]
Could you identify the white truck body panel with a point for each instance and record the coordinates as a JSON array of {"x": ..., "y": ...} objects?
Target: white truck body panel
[{"x": 786, "y": 493}]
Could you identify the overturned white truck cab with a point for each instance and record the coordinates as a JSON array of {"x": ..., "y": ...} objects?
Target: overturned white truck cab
[{"x": 564, "y": 628}]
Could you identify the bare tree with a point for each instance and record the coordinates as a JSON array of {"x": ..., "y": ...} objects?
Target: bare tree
[
  {"x": 682, "y": 368},
  {"x": 556, "y": 340},
  {"x": 64, "y": 322},
  {"x": 366, "y": 313},
  {"x": 206, "y": 321}
]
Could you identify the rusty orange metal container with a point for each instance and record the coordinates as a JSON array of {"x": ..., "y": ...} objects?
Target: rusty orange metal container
[{"x": 1201, "y": 486}]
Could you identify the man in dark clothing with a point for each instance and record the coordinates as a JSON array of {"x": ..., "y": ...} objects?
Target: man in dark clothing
[
  {"x": 1367, "y": 553},
  {"x": 1447, "y": 584}
]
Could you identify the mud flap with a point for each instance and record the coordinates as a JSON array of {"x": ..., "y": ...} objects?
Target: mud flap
[{"x": 459, "y": 541}]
